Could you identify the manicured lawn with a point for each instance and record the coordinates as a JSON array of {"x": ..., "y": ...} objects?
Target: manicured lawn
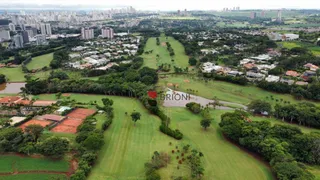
[
  {"x": 100, "y": 119},
  {"x": 31, "y": 164},
  {"x": 225, "y": 91},
  {"x": 34, "y": 177},
  {"x": 40, "y": 61},
  {"x": 180, "y": 58},
  {"x": 6, "y": 164},
  {"x": 13, "y": 74}
]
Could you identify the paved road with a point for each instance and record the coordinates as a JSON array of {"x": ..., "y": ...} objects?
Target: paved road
[{"x": 180, "y": 99}]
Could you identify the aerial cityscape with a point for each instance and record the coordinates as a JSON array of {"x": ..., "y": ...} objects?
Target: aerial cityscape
[{"x": 171, "y": 90}]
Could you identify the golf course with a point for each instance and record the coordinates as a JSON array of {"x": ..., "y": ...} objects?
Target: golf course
[
  {"x": 151, "y": 60},
  {"x": 128, "y": 147}
]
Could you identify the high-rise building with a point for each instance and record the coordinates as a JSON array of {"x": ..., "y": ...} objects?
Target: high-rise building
[
  {"x": 279, "y": 19},
  {"x": 35, "y": 31},
  {"x": 12, "y": 27},
  {"x": 4, "y": 35},
  {"x": 87, "y": 33},
  {"x": 43, "y": 29},
  {"x": 15, "y": 19},
  {"x": 48, "y": 29},
  {"x": 107, "y": 33},
  {"x": 253, "y": 15},
  {"x": 41, "y": 39},
  {"x": 30, "y": 32},
  {"x": 25, "y": 36},
  {"x": 263, "y": 13},
  {"x": 18, "y": 41},
  {"x": 23, "y": 27}
]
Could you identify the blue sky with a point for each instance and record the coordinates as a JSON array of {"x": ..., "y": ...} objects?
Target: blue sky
[{"x": 181, "y": 4}]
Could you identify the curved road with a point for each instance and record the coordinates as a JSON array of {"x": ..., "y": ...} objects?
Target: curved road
[{"x": 180, "y": 99}]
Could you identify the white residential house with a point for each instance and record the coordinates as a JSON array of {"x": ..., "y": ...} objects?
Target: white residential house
[
  {"x": 272, "y": 78},
  {"x": 255, "y": 76},
  {"x": 208, "y": 67}
]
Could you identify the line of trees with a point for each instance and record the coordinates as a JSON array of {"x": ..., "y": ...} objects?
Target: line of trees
[
  {"x": 152, "y": 106},
  {"x": 232, "y": 79},
  {"x": 59, "y": 58},
  {"x": 13, "y": 139},
  {"x": 309, "y": 92},
  {"x": 284, "y": 147},
  {"x": 306, "y": 114},
  {"x": 90, "y": 140},
  {"x": 170, "y": 49}
]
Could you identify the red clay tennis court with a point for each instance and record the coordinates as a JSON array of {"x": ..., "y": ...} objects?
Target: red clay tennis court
[
  {"x": 68, "y": 126},
  {"x": 81, "y": 113},
  {"x": 74, "y": 119},
  {"x": 42, "y": 123}
]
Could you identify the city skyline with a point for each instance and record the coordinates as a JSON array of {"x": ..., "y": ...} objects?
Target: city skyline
[{"x": 165, "y": 5}]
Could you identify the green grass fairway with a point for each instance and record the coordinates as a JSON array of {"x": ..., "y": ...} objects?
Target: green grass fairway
[
  {"x": 31, "y": 164},
  {"x": 313, "y": 48},
  {"x": 222, "y": 160},
  {"x": 128, "y": 147},
  {"x": 225, "y": 91},
  {"x": 40, "y": 61},
  {"x": 35, "y": 177},
  {"x": 13, "y": 74},
  {"x": 150, "y": 60}
]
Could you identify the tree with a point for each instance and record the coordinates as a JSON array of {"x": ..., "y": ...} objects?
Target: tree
[
  {"x": 135, "y": 116},
  {"x": 194, "y": 107},
  {"x": 192, "y": 61},
  {"x": 58, "y": 95},
  {"x": 94, "y": 142},
  {"x": 107, "y": 102},
  {"x": 259, "y": 106},
  {"x": 318, "y": 74},
  {"x": 205, "y": 123},
  {"x": 2, "y": 78},
  {"x": 54, "y": 147},
  {"x": 35, "y": 131}
]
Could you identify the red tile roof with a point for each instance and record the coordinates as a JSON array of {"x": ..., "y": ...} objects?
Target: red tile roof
[
  {"x": 292, "y": 73},
  {"x": 9, "y": 99}
]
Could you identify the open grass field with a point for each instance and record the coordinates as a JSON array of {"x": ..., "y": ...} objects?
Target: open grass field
[
  {"x": 13, "y": 74},
  {"x": 128, "y": 147},
  {"x": 224, "y": 91},
  {"x": 35, "y": 177},
  {"x": 40, "y": 61},
  {"x": 313, "y": 48},
  {"x": 150, "y": 60},
  {"x": 7, "y": 162}
]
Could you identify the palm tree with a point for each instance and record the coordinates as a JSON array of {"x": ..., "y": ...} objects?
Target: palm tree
[{"x": 24, "y": 93}]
